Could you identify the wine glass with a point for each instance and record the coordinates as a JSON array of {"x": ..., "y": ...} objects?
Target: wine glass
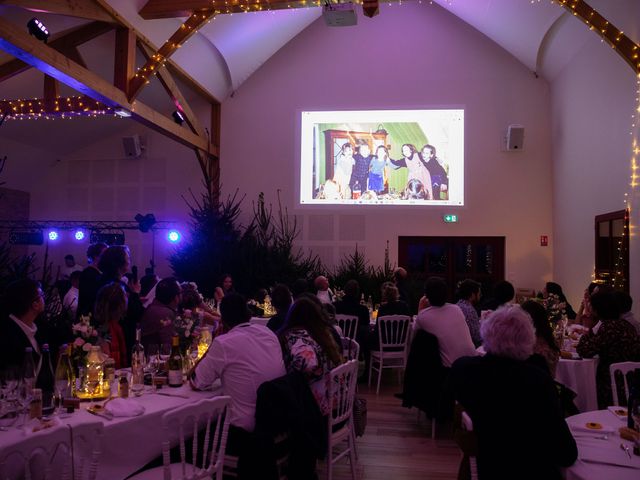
[
  {"x": 24, "y": 398},
  {"x": 152, "y": 364}
]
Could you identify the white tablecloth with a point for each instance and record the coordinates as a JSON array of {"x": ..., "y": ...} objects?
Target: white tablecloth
[
  {"x": 129, "y": 443},
  {"x": 595, "y": 453},
  {"x": 580, "y": 376}
]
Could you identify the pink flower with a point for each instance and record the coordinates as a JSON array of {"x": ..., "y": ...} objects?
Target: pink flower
[{"x": 78, "y": 342}]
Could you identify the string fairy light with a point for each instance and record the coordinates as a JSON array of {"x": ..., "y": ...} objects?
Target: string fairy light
[{"x": 50, "y": 109}]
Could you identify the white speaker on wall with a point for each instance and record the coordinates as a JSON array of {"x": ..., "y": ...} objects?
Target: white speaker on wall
[
  {"x": 132, "y": 146},
  {"x": 514, "y": 140}
]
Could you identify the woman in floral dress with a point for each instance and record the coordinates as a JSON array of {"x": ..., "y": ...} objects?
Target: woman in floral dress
[
  {"x": 310, "y": 349},
  {"x": 613, "y": 339}
]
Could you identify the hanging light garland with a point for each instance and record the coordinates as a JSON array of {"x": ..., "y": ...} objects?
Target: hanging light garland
[{"x": 48, "y": 109}]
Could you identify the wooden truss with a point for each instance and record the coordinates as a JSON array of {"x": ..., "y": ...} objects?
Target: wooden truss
[{"x": 60, "y": 61}]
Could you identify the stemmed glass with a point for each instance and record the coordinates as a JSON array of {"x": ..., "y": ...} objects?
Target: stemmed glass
[
  {"x": 9, "y": 379},
  {"x": 25, "y": 396},
  {"x": 153, "y": 361}
]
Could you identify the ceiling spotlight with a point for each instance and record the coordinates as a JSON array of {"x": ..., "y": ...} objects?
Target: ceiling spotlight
[
  {"x": 38, "y": 30},
  {"x": 52, "y": 235},
  {"x": 79, "y": 235},
  {"x": 145, "y": 222},
  {"x": 173, "y": 236},
  {"x": 122, "y": 112},
  {"x": 178, "y": 117}
]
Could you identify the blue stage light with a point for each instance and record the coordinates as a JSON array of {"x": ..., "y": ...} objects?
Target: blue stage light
[
  {"x": 53, "y": 235},
  {"x": 173, "y": 236},
  {"x": 79, "y": 235}
]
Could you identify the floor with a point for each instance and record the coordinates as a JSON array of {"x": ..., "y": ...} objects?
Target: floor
[{"x": 396, "y": 445}]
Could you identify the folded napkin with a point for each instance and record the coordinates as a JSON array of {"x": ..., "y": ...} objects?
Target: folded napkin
[
  {"x": 124, "y": 407},
  {"x": 606, "y": 452},
  {"x": 37, "y": 425}
]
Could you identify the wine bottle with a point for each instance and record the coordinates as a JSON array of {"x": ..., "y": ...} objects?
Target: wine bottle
[
  {"x": 174, "y": 364},
  {"x": 29, "y": 369},
  {"x": 64, "y": 375},
  {"x": 137, "y": 366},
  {"x": 45, "y": 378}
]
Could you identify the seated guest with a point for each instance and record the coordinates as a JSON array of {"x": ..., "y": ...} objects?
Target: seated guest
[
  {"x": 513, "y": 404},
  {"x": 584, "y": 315},
  {"x": 468, "y": 297},
  {"x": 446, "y": 322},
  {"x": 310, "y": 349},
  {"x": 626, "y": 303},
  {"x": 281, "y": 301},
  {"x": 323, "y": 292},
  {"x": 350, "y": 305},
  {"x": 545, "y": 345},
  {"x": 612, "y": 339},
  {"x": 191, "y": 299},
  {"x": 244, "y": 358},
  {"x": 390, "y": 305},
  {"x": 70, "y": 301},
  {"x": 111, "y": 306},
  {"x": 157, "y": 320},
  {"x": 503, "y": 293},
  {"x": 225, "y": 288},
  {"x": 552, "y": 288},
  {"x": 400, "y": 279},
  {"x": 90, "y": 279},
  {"x": 23, "y": 302},
  {"x": 299, "y": 287}
]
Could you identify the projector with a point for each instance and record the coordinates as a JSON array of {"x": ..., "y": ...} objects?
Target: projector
[{"x": 339, "y": 14}]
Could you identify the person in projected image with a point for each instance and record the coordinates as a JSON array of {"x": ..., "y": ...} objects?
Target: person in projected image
[
  {"x": 376, "y": 169},
  {"x": 360, "y": 172},
  {"x": 439, "y": 178},
  {"x": 344, "y": 167},
  {"x": 417, "y": 169}
]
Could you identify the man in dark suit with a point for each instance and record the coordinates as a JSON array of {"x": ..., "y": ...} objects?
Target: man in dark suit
[
  {"x": 23, "y": 302},
  {"x": 90, "y": 279}
]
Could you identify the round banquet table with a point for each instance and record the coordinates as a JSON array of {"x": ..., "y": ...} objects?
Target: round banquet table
[
  {"x": 580, "y": 376},
  {"x": 600, "y": 458}
]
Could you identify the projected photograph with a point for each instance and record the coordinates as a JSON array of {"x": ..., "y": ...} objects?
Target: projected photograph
[{"x": 396, "y": 157}]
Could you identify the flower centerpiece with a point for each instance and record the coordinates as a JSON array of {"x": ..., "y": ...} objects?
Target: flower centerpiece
[
  {"x": 88, "y": 361},
  {"x": 86, "y": 337},
  {"x": 554, "y": 307},
  {"x": 187, "y": 327}
]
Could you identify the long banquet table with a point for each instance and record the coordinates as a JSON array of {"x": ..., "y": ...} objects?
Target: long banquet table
[
  {"x": 599, "y": 457},
  {"x": 128, "y": 443}
]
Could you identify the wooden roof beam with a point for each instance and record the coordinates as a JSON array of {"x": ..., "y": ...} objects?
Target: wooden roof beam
[
  {"x": 155, "y": 9},
  {"x": 65, "y": 42},
  {"x": 18, "y": 43},
  {"x": 173, "y": 67},
  {"x": 71, "y": 8},
  {"x": 157, "y": 59}
]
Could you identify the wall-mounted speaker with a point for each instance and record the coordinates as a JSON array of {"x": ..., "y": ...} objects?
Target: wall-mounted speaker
[
  {"x": 132, "y": 146},
  {"x": 515, "y": 138}
]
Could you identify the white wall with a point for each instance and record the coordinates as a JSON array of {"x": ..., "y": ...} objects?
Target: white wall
[
  {"x": 593, "y": 99},
  {"x": 98, "y": 182},
  {"x": 407, "y": 57}
]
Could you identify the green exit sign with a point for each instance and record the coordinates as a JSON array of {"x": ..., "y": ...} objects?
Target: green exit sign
[{"x": 450, "y": 218}]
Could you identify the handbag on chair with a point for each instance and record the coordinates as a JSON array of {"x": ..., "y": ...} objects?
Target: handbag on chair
[{"x": 359, "y": 416}]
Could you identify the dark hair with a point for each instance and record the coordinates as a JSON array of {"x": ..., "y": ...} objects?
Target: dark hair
[
  {"x": 411, "y": 146},
  {"x": 604, "y": 305},
  {"x": 95, "y": 250},
  {"x": 415, "y": 190},
  {"x": 431, "y": 148},
  {"x": 260, "y": 295},
  {"x": 435, "y": 290},
  {"x": 541, "y": 322},
  {"x": 167, "y": 289},
  {"x": 592, "y": 286},
  {"x": 281, "y": 297},
  {"x": 75, "y": 275},
  {"x": 299, "y": 287},
  {"x": 112, "y": 260},
  {"x": 69, "y": 257},
  {"x": 352, "y": 289},
  {"x": 233, "y": 310},
  {"x": 466, "y": 288},
  {"x": 625, "y": 302},
  {"x": 389, "y": 292},
  {"x": 503, "y": 292},
  {"x": 307, "y": 315},
  {"x": 555, "y": 289},
  {"x": 111, "y": 303},
  {"x": 19, "y": 296}
]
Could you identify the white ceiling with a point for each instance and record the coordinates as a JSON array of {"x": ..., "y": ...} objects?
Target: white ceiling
[{"x": 226, "y": 52}]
